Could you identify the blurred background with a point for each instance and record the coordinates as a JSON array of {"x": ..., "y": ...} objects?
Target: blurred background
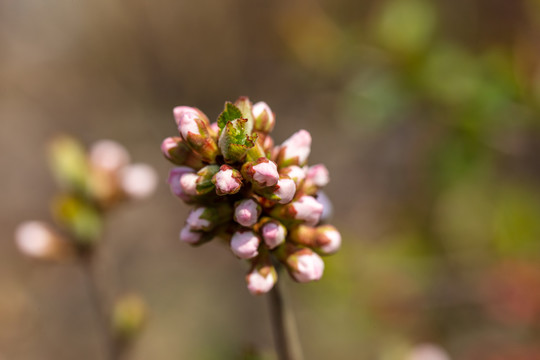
[{"x": 425, "y": 112}]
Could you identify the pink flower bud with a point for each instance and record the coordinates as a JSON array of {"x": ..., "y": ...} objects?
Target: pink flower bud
[
  {"x": 265, "y": 173},
  {"x": 186, "y": 119},
  {"x": 189, "y": 236},
  {"x": 286, "y": 188},
  {"x": 227, "y": 180},
  {"x": 264, "y": 117},
  {"x": 174, "y": 181},
  {"x": 196, "y": 221},
  {"x": 247, "y": 212},
  {"x": 328, "y": 239},
  {"x": 308, "y": 209},
  {"x": 273, "y": 233},
  {"x": 296, "y": 173},
  {"x": 304, "y": 265},
  {"x": 261, "y": 282},
  {"x": 245, "y": 244},
  {"x": 427, "y": 352},
  {"x": 36, "y": 239},
  {"x": 138, "y": 180},
  {"x": 108, "y": 155},
  {"x": 295, "y": 150},
  {"x": 188, "y": 182},
  {"x": 214, "y": 129},
  {"x": 318, "y": 174},
  {"x": 178, "y": 152}
]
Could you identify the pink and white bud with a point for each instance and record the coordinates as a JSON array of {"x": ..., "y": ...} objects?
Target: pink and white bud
[
  {"x": 189, "y": 236},
  {"x": 36, "y": 239},
  {"x": 188, "y": 182},
  {"x": 108, "y": 155},
  {"x": 214, "y": 130},
  {"x": 264, "y": 117},
  {"x": 285, "y": 190},
  {"x": 262, "y": 172},
  {"x": 138, "y": 180},
  {"x": 227, "y": 180},
  {"x": 273, "y": 234},
  {"x": 247, "y": 212},
  {"x": 261, "y": 281},
  {"x": 308, "y": 209},
  {"x": 328, "y": 239},
  {"x": 175, "y": 174},
  {"x": 186, "y": 119},
  {"x": 245, "y": 244},
  {"x": 318, "y": 174},
  {"x": 295, "y": 150},
  {"x": 296, "y": 173},
  {"x": 196, "y": 220},
  {"x": 305, "y": 265}
]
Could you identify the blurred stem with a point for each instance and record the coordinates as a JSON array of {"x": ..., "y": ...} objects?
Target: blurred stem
[
  {"x": 112, "y": 348},
  {"x": 283, "y": 327}
]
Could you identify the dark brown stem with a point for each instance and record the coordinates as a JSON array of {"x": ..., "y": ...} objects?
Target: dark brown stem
[
  {"x": 112, "y": 348},
  {"x": 286, "y": 341}
]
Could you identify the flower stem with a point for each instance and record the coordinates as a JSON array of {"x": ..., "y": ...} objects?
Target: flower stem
[
  {"x": 112, "y": 349},
  {"x": 283, "y": 327}
]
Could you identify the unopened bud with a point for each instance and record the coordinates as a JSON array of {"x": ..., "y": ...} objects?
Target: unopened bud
[
  {"x": 199, "y": 219},
  {"x": 285, "y": 190},
  {"x": 227, "y": 180},
  {"x": 188, "y": 182},
  {"x": 262, "y": 172},
  {"x": 328, "y": 239},
  {"x": 138, "y": 180},
  {"x": 190, "y": 236},
  {"x": 264, "y": 117},
  {"x": 247, "y": 212},
  {"x": 295, "y": 150},
  {"x": 108, "y": 155},
  {"x": 307, "y": 209},
  {"x": 204, "y": 181},
  {"x": 178, "y": 152},
  {"x": 273, "y": 233},
  {"x": 304, "y": 265},
  {"x": 294, "y": 172},
  {"x": 245, "y": 244},
  {"x": 38, "y": 240},
  {"x": 261, "y": 278},
  {"x": 193, "y": 125},
  {"x": 175, "y": 174},
  {"x": 318, "y": 174}
]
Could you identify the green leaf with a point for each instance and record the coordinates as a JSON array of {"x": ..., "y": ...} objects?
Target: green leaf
[
  {"x": 230, "y": 113},
  {"x": 235, "y": 140}
]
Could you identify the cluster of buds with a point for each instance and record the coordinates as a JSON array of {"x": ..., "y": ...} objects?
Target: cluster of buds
[
  {"x": 262, "y": 200},
  {"x": 92, "y": 182}
]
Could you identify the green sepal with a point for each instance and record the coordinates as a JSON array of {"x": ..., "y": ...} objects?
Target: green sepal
[
  {"x": 69, "y": 165},
  {"x": 230, "y": 113},
  {"x": 204, "y": 182},
  {"x": 82, "y": 219}
]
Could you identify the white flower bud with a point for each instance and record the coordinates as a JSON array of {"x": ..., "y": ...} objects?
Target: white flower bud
[
  {"x": 296, "y": 149},
  {"x": 308, "y": 209},
  {"x": 305, "y": 266},
  {"x": 428, "y": 352},
  {"x": 138, "y": 180},
  {"x": 185, "y": 117},
  {"x": 175, "y": 174},
  {"x": 108, "y": 155},
  {"x": 189, "y": 236},
  {"x": 195, "y": 220},
  {"x": 227, "y": 180},
  {"x": 188, "y": 182},
  {"x": 247, "y": 212},
  {"x": 286, "y": 188},
  {"x": 328, "y": 239},
  {"x": 36, "y": 239},
  {"x": 318, "y": 174},
  {"x": 258, "y": 283},
  {"x": 265, "y": 173},
  {"x": 273, "y": 234},
  {"x": 245, "y": 244}
]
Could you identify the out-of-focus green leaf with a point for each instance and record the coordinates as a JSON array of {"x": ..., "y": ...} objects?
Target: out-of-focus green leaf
[
  {"x": 68, "y": 163},
  {"x": 82, "y": 219},
  {"x": 406, "y": 26}
]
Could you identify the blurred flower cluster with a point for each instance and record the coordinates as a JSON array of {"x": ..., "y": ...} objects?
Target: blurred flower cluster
[
  {"x": 91, "y": 183},
  {"x": 262, "y": 200}
]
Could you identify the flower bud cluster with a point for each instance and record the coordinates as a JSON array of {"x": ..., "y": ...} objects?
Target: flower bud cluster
[
  {"x": 91, "y": 182},
  {"x": 262, "y": 200}
]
